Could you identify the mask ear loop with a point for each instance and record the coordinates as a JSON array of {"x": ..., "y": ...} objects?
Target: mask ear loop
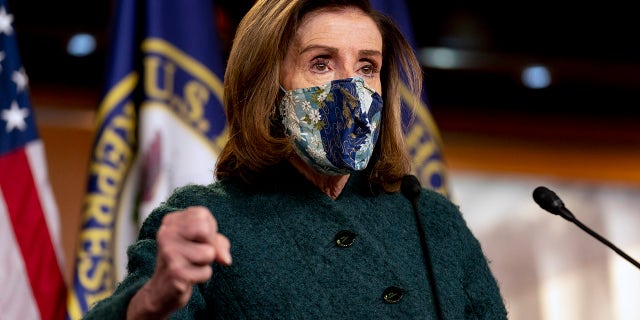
[{"x": 277, "y": 127}]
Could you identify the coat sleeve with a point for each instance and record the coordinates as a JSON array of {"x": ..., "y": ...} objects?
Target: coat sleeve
[
  {"x": 140, "y": 267},
  {"x": 484, "y": 300},
  {"x": 469, "y": 289}
]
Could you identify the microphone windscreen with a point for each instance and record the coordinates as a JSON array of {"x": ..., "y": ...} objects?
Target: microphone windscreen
[{"x": 547, "y": 200}]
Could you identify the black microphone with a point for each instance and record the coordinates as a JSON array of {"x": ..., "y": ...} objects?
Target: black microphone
[
  {"x": 411, "y": 189},
  {"x": 549, "y": 201}
]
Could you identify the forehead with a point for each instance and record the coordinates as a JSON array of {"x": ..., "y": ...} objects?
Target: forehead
[{"x": 339, "y": 26}]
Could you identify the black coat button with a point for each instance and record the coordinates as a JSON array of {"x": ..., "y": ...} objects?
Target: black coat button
[
  {"x": 392, "y": 294},
  {"x": 344, "y": 238}
]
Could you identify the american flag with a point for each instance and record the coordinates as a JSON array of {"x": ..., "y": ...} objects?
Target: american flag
[{"x": 30, "y": 251}]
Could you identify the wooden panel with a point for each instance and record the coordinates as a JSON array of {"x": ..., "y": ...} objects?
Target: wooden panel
[
  {"x": 575, "y": 160},
  {"x": 67, "y": 146}
]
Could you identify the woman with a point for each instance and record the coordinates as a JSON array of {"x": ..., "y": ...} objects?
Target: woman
[{"x": 307, "y": 200}]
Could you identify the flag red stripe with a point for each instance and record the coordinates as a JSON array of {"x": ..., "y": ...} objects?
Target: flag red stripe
[{"x": 32, "y": 234}]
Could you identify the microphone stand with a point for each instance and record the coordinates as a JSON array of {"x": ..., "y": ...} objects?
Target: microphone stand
[
  {"x": 605, "y": 241},
  {"x": 549, "y": 201}
]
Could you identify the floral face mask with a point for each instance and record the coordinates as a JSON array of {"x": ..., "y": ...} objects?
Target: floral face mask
[{"x": 334, "y": 126}]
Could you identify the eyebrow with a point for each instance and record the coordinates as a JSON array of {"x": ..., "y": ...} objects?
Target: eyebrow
[{"x": 334, "y": 50}]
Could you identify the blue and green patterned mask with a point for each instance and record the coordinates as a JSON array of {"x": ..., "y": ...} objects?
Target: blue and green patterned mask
[{"x": 334, "y": 126}]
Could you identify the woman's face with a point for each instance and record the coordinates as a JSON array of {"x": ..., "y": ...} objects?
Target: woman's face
[{"x": 333, "y": 44}]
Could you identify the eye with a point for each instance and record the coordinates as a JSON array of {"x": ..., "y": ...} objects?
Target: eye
[
  {"x": 369, "y": 70},
  {"x": 320, "y": 65}
]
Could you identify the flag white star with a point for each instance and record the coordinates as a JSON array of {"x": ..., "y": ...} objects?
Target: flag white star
[
  {"x": 15, "y": 117},
  {"x": 20, "y": 78},
  {"x": 5, "y": 21}
]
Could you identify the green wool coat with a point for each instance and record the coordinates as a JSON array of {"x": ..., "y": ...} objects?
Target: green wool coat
[{"x": 298, "y": 254}]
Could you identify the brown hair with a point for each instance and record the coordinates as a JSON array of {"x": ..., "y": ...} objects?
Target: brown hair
[{"x": 252, "y": 91}]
